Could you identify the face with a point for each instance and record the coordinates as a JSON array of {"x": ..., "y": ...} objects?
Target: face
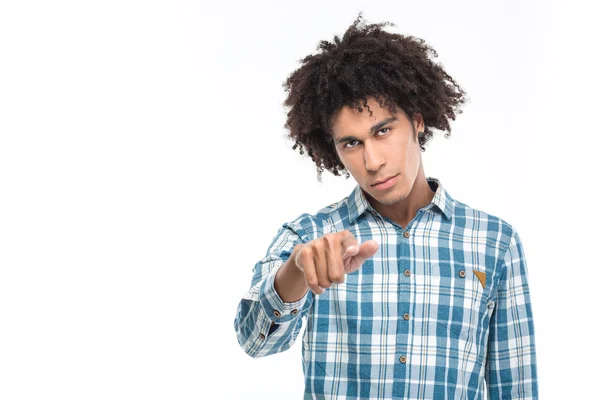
[{"x": 379, "y": 147}]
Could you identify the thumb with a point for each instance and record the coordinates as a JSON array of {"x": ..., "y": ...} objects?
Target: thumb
[
  {"x": 366, "y": 250},
  {"x": 358, "y": 255}
]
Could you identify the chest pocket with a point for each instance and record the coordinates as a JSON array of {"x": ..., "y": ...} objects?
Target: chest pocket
[{"x": 463, "y": 301}]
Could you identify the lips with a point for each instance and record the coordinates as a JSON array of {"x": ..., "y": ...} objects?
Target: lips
[{"x": 385, "y": 180}]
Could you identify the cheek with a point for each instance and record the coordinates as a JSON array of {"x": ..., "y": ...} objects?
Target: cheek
[
  {"x": 414, "y": 158},
  {"x": 409, "y": 159},
  {"x": 350, "y": 160}
]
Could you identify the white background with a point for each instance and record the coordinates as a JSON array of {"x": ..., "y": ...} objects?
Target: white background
[{"x": 144, "y": 171}]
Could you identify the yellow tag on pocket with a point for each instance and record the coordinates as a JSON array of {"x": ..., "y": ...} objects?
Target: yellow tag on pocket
[{"x": 481, "y": 276}]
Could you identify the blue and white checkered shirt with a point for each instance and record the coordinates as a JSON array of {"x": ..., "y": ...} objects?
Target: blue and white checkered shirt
[{"x": 441, "y": 311}]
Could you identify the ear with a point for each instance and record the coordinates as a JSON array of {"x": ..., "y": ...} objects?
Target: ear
[{"x": 418, "y": 122}]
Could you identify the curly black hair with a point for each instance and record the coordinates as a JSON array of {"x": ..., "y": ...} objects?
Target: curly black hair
[{"x": 368, "y": 61}]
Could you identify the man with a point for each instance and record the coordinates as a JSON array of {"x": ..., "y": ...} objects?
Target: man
[{"x": 407, "y": 292}]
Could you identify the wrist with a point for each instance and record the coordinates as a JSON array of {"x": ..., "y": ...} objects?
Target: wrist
[{"x": 290, "y": 283}]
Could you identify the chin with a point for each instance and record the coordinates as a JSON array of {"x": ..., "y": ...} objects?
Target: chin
[
  {"x": 393, "y": 196},
  {"x": 388, "y": 197}
]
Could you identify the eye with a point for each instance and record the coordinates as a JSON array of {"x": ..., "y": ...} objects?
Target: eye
[
  {"x": 351, "y": 147},
  {"x": 346, "y": 145}
]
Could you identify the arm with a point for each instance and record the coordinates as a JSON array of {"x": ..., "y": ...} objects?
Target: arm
[
  {"x": 511, "y": 371},
  {"x": 265, "y": 324}
]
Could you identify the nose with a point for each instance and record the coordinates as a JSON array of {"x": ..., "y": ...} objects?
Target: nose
[{"x": 373, "y": 160}]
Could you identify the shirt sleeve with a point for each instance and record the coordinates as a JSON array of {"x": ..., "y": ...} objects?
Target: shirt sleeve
[
  {"x": 264, "y": 323},
  {"x": 511, "y": 371}
]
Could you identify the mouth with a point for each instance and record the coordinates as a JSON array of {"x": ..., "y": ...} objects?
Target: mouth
[
  {"x": 381, "y": 183},
  {"x": 388, "y": 183}
]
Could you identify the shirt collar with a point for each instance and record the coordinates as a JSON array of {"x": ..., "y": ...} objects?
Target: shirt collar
[{"x": 358, "y": 203}]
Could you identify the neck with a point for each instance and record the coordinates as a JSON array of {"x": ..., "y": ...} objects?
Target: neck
[{"x": 403, "y": 211}]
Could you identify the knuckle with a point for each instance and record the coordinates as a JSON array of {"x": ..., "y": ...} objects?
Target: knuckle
[
  {"x": 336, "y": 277},
  {"x": 320, "y": 243},
  {"x": 325, "y": 284},
  {"x": 306, "y": 252},
  {"x": 334, "y": 236},
  {"x": 326, "y": 241},
  {"x": 346, "y": 236},
  {"x": 340, "y": 235},
  {"x": 312, "y": 282}
]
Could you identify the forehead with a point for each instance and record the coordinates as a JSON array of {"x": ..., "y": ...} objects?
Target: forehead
[{"x": 351, "y": 121}]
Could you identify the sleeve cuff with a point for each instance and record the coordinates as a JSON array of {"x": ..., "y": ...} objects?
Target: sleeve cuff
[{"x": 275, "y": 308}]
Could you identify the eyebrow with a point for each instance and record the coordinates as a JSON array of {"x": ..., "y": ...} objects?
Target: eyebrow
[{"x": 373, "y": 129}]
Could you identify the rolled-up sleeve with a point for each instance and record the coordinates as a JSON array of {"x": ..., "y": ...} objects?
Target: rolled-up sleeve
[
  {"x": 511, "y": 370},
  {"x": 264, "y": 323}
]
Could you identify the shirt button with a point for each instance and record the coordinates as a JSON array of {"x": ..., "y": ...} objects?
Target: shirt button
[
  {"x": 462, "y": 273},
  {"x": 406, "y": 234},
  {"x": 277, "y": 313},
  {"x": 406, "y": 316},
  {"x": 403, "y": 359},
  {"x": 294, "y": 311},
  {"x": 406, "y": 272},
  {"x": 261, "y": 336}
]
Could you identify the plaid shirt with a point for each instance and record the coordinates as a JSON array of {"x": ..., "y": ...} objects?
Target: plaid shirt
[{"x": 441, "y": 311}]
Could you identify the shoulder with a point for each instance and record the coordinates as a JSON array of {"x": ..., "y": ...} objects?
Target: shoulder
[
  {"x": 310, "y": 226},
  {"x": 496, "y": 230}
]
